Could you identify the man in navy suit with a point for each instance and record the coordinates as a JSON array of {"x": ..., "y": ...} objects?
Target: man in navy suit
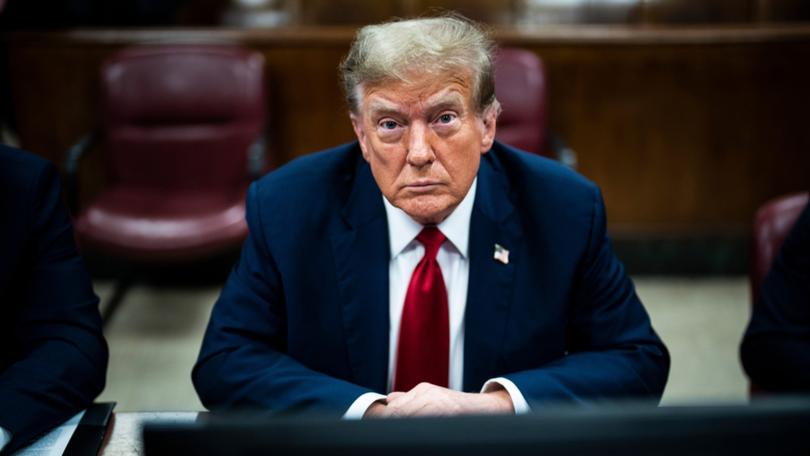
[
  {"x": 53, "y": 357},
  {"x": 425, "y": 269}
]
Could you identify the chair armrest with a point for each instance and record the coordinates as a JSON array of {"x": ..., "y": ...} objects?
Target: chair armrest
[
  {"x": 560, "y": 150},
  {"x": 257, "y": 158},
  {"x": 72, "y": 159}
]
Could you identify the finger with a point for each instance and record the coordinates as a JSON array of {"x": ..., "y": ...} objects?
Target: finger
[
  {"x": 440, "y": 402},
  {"x": 428, "y": 401},
  {"x": 388, "y": 412},
  {"x": 398, "y": 403},
  {"x": 423, "y": 399},
  {"x": 375, "y": 410},
  {"x": 424, "y": 387}
]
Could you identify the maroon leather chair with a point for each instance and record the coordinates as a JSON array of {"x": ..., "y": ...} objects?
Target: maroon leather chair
[
  {"x": 772, "y": 224},
  {"x": 521, "y": 88},
  {"x": 181, "y": 130},
  {"x": 520, "y": 85}
]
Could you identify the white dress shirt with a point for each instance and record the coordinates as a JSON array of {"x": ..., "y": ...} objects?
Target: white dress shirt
[
  {"x": 453, "y": 258},
  {"x": 5, "y": 437}
]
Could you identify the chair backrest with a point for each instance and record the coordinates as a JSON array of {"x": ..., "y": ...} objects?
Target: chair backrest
[
  {"x": 181, "y": 117},
  {"x": 772, "y": 223},
  {"x": 520, "y": 86}
]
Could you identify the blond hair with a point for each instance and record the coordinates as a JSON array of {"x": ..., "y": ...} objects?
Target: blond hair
[{"x": 399, "y": 50}]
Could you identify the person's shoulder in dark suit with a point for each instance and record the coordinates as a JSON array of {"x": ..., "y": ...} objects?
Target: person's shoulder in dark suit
[
  {"x": 53, "y": 357},
  {"x": 775, "y": 350}
]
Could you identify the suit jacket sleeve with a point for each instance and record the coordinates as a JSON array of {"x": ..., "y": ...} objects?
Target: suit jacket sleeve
[
  {"x": 613, "y": 351},
  {"x": 776, "y": 347},
  {"x": 242, "y": 362},
  {"x": 59, "y": 353}
]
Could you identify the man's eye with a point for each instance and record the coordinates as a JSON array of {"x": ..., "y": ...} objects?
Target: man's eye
[
  {"x": 446, "y": 118},
  {"x": 388, "y": 124}
]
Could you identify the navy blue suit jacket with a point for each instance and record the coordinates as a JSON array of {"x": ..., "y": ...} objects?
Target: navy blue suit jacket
[
  {"x": 775, "y": 350},
  {"x": 53, "y": 357},
  {"x": 303, "y": 320}
]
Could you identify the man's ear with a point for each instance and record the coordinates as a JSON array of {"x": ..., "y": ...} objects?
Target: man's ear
[
  {"x": 357, "y": 126},
  {"x": 489, "y": 122}
]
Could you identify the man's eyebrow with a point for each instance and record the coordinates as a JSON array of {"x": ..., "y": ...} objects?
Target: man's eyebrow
[
  {"x": 446, "y": 100},
  {"x": 379, "y": 107},
  {"x": 446, "y": 104}
]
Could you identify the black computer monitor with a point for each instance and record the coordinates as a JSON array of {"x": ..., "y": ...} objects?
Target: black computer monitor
[{"x": 767, "y": 428}]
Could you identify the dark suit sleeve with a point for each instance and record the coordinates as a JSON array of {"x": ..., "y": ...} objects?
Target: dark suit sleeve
[
  {"x": 59, "y": 353},
  {"x": 242, "y": 362},
  {"x": 613, "y": 351},
  {"x": 775, "y": 350}
]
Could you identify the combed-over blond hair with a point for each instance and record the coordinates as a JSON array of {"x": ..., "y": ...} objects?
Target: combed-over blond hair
[{"x": 402, "y": 49}]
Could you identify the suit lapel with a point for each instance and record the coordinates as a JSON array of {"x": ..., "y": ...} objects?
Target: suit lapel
[
  {"x": 491, "y": 281},
  {"x": 362, "y": 253}
]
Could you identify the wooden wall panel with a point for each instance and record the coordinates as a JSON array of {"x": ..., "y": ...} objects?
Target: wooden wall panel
[
  {"x": 686, "y": 130},
  {"x": 684, "y": 137},
  {"x": 307, "y": 105}
]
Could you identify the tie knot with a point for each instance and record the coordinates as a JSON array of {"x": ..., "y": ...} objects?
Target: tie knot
[{"x": 432, "y": 239}]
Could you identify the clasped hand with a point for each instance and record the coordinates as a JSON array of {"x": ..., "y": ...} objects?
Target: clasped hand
[{"x": 426, "y": 399}]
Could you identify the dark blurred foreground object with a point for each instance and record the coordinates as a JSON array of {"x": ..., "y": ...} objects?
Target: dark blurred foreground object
[
  {"x": 773, "y": 427},
  {"x": 181, "y": 133},
  {"x": 53, "y": 357},
  {"x": 775, "y": 350},
  {"x": 521, "y": 88}
]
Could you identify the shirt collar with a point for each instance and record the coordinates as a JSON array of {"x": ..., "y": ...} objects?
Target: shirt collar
[{"x": 402, "y": 229}]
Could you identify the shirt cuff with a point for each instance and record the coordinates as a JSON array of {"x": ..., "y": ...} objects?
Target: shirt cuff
[
  {"x": 360, "y": 405},
  {"x": 518, "y": 401},
  {"x": 5, "y": 437}
]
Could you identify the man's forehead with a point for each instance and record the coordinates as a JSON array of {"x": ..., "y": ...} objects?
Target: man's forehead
[
  {"x": 428, "y": 92},
  {"x": 391, "y": 100}
]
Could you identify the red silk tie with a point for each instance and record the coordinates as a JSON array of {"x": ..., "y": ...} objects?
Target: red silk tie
[{"x": 424, "y": 332}]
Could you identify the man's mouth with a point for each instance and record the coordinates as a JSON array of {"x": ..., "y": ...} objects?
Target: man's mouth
[{"x": 423, "y": 186}]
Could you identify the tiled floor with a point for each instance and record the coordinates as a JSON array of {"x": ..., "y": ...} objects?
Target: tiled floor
[
  {"x": 155, "y": 335},
  {"x": 701, "y": 321},
  {"x": 154, "y": 338}
]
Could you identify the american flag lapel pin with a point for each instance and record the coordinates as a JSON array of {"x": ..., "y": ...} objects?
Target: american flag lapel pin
[{"x": 501, "y": 254}]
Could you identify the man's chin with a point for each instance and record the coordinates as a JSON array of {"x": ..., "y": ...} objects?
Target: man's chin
[{"x": 427, "y": 212}]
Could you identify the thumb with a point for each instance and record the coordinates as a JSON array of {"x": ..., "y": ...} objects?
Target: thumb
[{"x": 394, "y": 395}]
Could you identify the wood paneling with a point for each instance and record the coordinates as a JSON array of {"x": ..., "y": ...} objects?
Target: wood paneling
[
  {"x": 685, "y": 130},
  {"x": 684, "y": 137}
]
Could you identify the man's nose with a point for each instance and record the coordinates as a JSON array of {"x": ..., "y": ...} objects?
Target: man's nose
[{"x": 420, "y": 152}]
